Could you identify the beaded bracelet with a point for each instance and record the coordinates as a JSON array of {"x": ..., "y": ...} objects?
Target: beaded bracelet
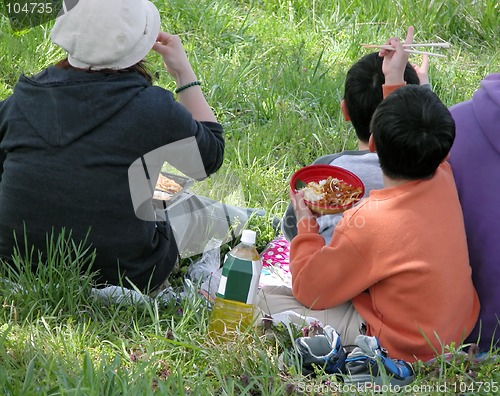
[{"x": 192, "y": 84}]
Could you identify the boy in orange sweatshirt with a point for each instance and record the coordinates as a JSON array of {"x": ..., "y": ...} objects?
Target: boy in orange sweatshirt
[{"x": 398, "y": 261}]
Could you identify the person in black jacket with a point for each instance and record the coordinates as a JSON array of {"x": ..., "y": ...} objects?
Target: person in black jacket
[{"x": 69, "y": 135}]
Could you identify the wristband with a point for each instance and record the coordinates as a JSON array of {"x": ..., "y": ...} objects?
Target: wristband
[{"x": 192, "y": 84}]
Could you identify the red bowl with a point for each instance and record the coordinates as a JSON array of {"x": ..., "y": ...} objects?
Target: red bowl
[{"x": 315, "y": 173}]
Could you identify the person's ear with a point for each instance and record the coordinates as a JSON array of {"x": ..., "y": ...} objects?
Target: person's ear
[
  {"x": 345, "y": 113},
  {"x": 447, "y": 158},
  {"x": 371, "y": 144}
]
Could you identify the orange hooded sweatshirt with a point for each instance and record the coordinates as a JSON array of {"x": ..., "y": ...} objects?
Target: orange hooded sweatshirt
[{"x": 401, "y": 257}]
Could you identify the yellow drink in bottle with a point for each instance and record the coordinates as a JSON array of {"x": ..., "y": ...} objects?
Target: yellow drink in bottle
[{"x": 234, "y": 303}]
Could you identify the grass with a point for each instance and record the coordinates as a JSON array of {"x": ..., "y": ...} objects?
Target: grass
[{"x": 273, "y": 70}]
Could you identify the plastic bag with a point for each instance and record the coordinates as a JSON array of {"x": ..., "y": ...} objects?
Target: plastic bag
[{"x": 206, "y": 271}]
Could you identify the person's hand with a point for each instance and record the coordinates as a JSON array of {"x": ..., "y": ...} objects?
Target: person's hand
[
  {"x": 423, "y": 70},
  {"x": 299, "y": 206},
  {"x": 176, "y": 61},
  {"x": 395, "y": 61}
]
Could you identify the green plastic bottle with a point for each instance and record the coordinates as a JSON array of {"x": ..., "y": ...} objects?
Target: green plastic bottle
[{"x": 234, "y": 302}]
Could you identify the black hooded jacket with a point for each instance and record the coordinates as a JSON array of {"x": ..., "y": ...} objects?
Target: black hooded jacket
[{"x": 67, "y": 139}]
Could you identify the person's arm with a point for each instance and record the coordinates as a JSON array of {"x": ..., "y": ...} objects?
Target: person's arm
[
  {"x": 178, "y": 66},
  {"x": 324, "y": 276},
  {"x": 190, "y": 114},
  {"x": 196, "y": 148},
  {"x": 394, "y": 63},
  {"x": 289, "y": 222}
]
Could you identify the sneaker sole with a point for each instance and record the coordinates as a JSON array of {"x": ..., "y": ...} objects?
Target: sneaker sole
[{"x": 366, "y": 378}]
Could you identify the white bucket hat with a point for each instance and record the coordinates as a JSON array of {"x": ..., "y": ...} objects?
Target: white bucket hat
[{"x": 107, "y": 34}]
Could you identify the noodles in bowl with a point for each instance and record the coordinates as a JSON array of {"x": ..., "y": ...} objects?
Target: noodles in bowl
[{"x": 332, "y": 192}]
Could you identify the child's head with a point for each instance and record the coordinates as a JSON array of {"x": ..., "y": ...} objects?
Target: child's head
[
  {"x": 363, "y": 91},
  {"x": 413, "y": 132}
]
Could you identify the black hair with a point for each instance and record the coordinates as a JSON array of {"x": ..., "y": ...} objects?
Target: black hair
[
  {"x": 140, "y": 67},
  {"x": 363, "y": 91},
  {"x": 413, "y": 132}
]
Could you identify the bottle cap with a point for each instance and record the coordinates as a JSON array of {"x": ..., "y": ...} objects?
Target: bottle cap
[{"x": 248, "y": 237}]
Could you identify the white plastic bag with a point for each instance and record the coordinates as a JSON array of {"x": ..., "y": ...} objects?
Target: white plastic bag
[{"x": 206, "y": 271}]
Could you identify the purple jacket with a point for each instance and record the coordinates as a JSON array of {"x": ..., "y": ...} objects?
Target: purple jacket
[{"x": 475, "y": 158}]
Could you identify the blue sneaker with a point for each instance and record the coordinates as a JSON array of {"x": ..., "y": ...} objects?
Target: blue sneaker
[
  {"x": 369, "y": 363},
  {"x": 324, "y": 351}
]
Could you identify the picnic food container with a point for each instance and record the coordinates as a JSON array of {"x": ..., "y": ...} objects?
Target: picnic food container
[
  {"x": 317, "y": 173},
  {"x": 165, "y": 199}
]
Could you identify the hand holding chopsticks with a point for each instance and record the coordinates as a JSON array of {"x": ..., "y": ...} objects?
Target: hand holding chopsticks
[{"x": 395, "y": 60}]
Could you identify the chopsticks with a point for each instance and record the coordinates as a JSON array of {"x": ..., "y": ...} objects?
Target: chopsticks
[{"x": 412, "y": 51}]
